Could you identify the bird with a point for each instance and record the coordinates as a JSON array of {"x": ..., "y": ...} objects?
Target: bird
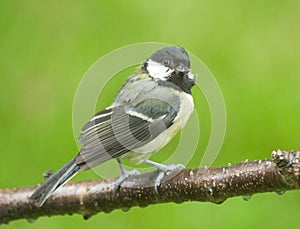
[{"x": 153, "y": 104}]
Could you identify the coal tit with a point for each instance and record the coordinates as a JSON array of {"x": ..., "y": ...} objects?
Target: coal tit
[{"x": 150, "y": 108}]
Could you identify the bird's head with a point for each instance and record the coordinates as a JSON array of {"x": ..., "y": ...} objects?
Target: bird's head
[{"x": 171, "y": 64}]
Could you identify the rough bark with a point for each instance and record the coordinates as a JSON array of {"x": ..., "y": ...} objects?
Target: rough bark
[{"x": 278, "y": 174}]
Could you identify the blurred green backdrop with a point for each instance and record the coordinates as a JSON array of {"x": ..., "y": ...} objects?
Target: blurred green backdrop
[{"x": 252, "y": 47}]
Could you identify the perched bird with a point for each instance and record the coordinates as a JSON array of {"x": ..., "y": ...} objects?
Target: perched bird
[{"x": 150, "y": 108}]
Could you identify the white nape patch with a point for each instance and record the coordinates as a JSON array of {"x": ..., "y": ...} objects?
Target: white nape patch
[
  {"x": 158, "y": 71},
  {"x": 139, "y": 115}
]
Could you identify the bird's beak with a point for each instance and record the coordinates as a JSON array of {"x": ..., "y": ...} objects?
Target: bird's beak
[{"x": 191, "y": 76}]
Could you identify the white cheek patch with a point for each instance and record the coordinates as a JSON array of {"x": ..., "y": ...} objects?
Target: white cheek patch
[{"x": 158, "y": 71}]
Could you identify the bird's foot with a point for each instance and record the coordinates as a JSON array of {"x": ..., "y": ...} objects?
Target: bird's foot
[
  {"x": 162, "y": 170},
  {"x": 124, "y": 175}
]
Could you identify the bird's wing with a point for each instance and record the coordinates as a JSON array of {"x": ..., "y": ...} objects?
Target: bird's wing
[{"x": 118, "y": 130}]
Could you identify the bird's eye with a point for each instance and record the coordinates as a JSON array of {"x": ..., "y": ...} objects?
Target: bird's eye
[{"x": 166, "y": 62}]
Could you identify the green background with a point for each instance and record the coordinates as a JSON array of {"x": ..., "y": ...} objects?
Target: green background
[{"x": 252, "y": 48}]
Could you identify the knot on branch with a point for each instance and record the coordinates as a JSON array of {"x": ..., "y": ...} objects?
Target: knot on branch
[{"x": 288, "y": 166}]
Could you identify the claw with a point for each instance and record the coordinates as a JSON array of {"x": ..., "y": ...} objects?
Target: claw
[
  {"x": 124, "y": 175},
  {"x": 162, "y": 170}
]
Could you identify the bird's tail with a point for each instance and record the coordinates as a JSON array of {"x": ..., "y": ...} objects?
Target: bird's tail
[{"x": 54, "y": 181}]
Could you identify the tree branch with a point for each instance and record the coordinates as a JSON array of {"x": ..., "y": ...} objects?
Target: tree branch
[{"x": 278, "y": 174}]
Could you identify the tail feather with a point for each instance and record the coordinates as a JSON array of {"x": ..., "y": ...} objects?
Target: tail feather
[{"x": 55, "y": 181}]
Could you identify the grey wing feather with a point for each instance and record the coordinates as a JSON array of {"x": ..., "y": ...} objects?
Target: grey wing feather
[{"x": 115, "y": 131}]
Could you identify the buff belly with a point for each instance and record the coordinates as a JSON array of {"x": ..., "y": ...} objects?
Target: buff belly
[{"x": 142, "y": 153}]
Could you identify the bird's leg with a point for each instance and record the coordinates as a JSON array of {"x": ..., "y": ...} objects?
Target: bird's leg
[
  {"x": 162, "y": 170},
  {"x": 124, "y": 175}
]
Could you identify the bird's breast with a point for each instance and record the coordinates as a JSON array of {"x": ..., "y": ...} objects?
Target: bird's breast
[{"x": 186, "y": 108}]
